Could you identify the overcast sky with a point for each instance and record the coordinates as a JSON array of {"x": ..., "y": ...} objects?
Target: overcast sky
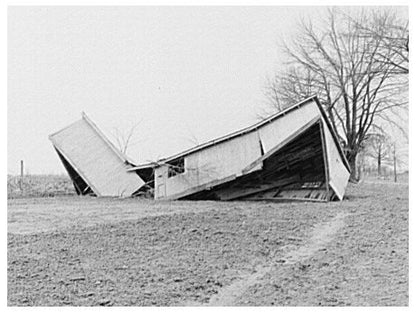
[{"x": 182, "y": 73}]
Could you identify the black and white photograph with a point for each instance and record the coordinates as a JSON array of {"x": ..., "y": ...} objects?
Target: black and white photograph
[{"x": 207, "y": 156}]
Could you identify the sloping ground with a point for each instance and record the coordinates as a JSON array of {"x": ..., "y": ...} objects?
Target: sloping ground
[{"x": 201, "y": 253}]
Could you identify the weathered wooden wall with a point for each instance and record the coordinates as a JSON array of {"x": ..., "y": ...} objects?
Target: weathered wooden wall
[
  {"x": 95, "y": 160},
  {"x": 230, "y": 157},
  {"x": 279, "y": 130},
  {"x": 242, "y": 154},
  {"x": 338, "y": 173},
  {"x": 216, "y": 162}
]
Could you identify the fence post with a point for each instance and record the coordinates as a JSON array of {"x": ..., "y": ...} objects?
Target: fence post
[{"x": 21, "y": 176}]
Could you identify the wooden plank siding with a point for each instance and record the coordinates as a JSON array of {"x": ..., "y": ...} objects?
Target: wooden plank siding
[
  {"x": 277, "y": 131},
  {"x": 296, "y": 144},
  {"x": 281, "y": 142},
  {"x": 215, "y": 163},
  {"x": 95, "y": 159},
  {"x": 338, "y": 173},
  {"x": 209, "y": 166}
]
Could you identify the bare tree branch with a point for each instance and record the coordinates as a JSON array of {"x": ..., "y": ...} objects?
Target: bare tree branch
[{"x": 357, "y": 65}]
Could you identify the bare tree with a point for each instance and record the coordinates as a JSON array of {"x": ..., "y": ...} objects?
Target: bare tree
[
  {"x": 283, "y": 86},
  {"x": 124, "y": 138},
  {"x": 393, "y": 34},
  {"x": 379, "y": 147},
  {"x": 340, "y": 62}
]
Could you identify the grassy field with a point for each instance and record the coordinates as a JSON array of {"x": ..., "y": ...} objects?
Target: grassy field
[
  {"x": 50, "y": 185},
  {"x": 100, "y": 251}
]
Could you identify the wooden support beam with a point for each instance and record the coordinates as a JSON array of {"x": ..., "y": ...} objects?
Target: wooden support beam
[
  {"x": 200, "y": 188},
  {"x": 286, "y": 199},
  {"x": 235, "y": 193}
]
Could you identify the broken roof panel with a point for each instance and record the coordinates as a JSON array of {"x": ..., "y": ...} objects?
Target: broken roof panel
[
  {"x": 307, "y": 113},
  {"x": 92, "y": 160},
  {"x": 293, "y": 154}
]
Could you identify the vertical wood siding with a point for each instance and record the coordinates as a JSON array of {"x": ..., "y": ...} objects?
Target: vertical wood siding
[
  {"x": 278, "y": 130},
  {"x": 95, "y": 160},
  {"x": 225, "y": 159},
  {"x": 338, "y": 174},
  {"x": 213, "y": 163}
]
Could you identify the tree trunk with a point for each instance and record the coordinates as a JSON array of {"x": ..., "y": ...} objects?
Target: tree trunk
[
  {"x": 352, "y": 161},
  {"x": 394, "y": 163},
  {"x": 379, "y": 163}
]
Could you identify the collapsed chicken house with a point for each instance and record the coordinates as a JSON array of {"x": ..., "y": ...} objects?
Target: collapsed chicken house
[{"x": 292, "y": 155}]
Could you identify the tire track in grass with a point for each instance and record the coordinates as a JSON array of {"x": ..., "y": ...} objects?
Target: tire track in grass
[{"x": 322, "y": 234}]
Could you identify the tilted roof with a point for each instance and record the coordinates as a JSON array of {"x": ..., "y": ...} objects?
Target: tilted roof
[{"x": 248, "y": 130}]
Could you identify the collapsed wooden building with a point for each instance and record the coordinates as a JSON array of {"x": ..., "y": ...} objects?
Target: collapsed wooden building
[
  {"x": 292, "y": 155},
  {"x": 93, "y": 163}
]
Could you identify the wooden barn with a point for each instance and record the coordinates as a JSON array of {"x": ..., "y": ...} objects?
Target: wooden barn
[
  {"x": 292, "y": 155},
  {"x": 94, "y": 164}
]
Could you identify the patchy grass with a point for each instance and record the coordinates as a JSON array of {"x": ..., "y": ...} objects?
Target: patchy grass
[
  {"x": 39, "y": 186},
  {"x": 98, "y": 251}
]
